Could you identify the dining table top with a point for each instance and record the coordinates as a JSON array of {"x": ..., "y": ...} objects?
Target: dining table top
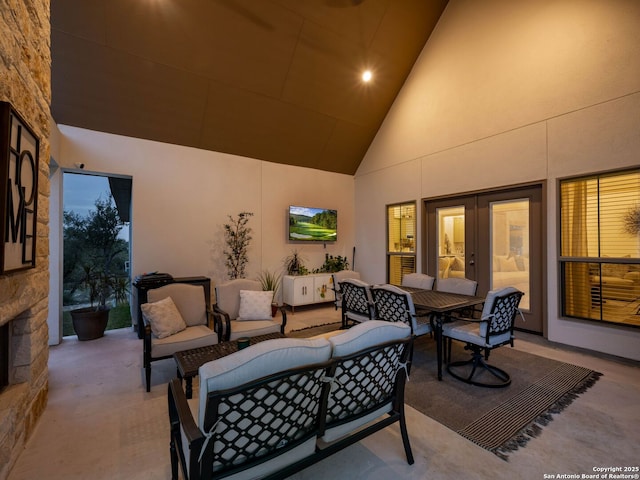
[{"x": 440, "y": 302}]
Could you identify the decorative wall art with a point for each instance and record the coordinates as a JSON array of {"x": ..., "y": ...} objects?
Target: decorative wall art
[{"x": 18, "y": 191}]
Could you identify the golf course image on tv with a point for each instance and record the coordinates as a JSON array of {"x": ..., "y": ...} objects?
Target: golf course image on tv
[{"x": 312, "y": 224}]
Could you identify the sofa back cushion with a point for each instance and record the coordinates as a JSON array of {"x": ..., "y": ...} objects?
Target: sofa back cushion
[
  {"x": 367, "y": 334},
  {"x": 257, "y": 361},
  {"x": 189, "y": 299}
]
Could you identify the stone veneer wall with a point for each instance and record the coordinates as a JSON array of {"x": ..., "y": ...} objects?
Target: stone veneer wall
[{"x": 25, "y": 82}]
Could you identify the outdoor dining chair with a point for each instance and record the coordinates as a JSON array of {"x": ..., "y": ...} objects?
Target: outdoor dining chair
[
  {"x": 494, "y": 329},
  {"x": 357, "y": 304},
  {"x": 338, "y": 277},
  {"x": 396, "y": 305}
]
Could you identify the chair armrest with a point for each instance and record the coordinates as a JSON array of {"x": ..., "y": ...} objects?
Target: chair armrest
[
  {"x": 180, "y": 414},
  {"x": 283, "y": 311},
  {"x": 214, "y": 322},
  {"x": 223, "y": 317},
  {"x": 181, "y": 422}
]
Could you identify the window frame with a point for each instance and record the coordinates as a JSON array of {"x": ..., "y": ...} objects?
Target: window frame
[
  {"x": 593, "y": 264},
  {"x": 401, "y": 255}
]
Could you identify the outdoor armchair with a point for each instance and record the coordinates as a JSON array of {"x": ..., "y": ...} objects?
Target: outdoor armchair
[
  {"x": 176, "y": 317},
  {"x": 244, "y": 310}
]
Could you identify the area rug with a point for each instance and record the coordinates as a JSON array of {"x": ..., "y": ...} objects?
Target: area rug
[{"x": 499, "y": 420}]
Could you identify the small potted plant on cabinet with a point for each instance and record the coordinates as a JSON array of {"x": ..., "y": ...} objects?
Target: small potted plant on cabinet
[{"x": 294, "y": 264}]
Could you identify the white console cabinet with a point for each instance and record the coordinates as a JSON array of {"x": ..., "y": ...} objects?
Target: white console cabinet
[{"x": 307, "y": 289}]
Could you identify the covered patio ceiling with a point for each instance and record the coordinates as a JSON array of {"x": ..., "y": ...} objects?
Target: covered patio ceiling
[{"x": 276, "y": 80}]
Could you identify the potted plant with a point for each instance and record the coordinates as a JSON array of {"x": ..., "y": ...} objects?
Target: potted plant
[
  {"x": 90, "y": 322},
  {"x": 294, "y": 264},
  {"x": 333, "y": 264},
  {"x": 94, "y": 267},
  {"x": 270, "y": 283}
]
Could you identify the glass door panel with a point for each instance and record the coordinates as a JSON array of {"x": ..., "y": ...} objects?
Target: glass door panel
[
  {"x": 509, "y": 232},
  {"x": 450, "y": 234},
  {"x": 495, "y": 238}
]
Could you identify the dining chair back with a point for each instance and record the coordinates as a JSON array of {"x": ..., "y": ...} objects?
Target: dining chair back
[
  {"x": 396, "y": 305},
  {"x": 338, "y": 277},
  {"x": 357, "y": 304},
  {"x": 463, "y": 286},
  {"x": 418, "y": 280}
]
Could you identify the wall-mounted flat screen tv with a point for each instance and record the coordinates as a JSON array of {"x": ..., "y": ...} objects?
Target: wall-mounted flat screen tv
[{"x": 312, "y": 224}]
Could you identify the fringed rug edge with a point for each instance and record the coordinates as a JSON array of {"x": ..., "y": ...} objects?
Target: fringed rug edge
[{"x": 534, "y": 428}]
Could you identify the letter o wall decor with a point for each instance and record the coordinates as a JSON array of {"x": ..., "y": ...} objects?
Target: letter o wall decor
[{"x": 19, "y": 149}]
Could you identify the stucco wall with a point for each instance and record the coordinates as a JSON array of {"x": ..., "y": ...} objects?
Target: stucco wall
[
  {"x": 505, "y": 93},
  {"x": 182, "y": 196}
]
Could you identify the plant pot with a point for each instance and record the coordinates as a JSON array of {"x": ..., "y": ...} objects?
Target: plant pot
[
  {"x": 89, "y": 323},
  {"x": 274, "y": 309}
]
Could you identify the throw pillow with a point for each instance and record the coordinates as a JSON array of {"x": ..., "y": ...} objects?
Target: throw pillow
[
  {"x": 163, "y": 317},
  {"x": 255, "y": 305}
]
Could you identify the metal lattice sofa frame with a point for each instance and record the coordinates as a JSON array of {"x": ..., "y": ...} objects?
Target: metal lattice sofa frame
[{"x": 277, "y": 425}]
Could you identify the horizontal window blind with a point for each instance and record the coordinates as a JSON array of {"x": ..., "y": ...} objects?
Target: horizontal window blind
[{"x": 600, "y": 247}]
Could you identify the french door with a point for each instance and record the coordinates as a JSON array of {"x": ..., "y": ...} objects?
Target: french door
[{"x": 494, "y": 238}]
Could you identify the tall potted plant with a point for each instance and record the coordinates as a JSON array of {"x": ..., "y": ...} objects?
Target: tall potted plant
[
  {"x": 92, "y": 265},
  {"x": 237, "y": 235},
  {"x": 90, "y": 322}
]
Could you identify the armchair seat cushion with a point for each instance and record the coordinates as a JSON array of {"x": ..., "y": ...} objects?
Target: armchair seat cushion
[
  {"x": 467, "y": 331},
  {"x": 422, "y": 325},
  {"x": 190, "y": 337},
  {"x": 357, "y": 317},
  {"x": 252, "y": 328}
]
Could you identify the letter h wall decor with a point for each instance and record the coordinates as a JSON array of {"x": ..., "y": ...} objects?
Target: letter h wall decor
[{"x": 18, "y": 191}]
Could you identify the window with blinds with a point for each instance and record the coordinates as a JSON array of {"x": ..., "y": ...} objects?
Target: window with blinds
[
  {"x": 600, "y": 247},
  {"x": 401, "y": 241}
]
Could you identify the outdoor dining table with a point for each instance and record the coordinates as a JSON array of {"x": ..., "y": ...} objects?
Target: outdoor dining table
[{"x": 440, "y": 305}]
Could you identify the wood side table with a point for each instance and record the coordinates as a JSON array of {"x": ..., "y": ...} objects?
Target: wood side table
[{"x": 189, "y": 361}]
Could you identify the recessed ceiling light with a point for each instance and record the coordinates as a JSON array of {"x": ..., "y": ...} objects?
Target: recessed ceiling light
[{"x": 366, "y": 76}]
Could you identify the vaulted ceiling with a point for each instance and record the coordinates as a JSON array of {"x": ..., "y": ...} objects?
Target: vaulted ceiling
[{"x": 276, "y": 80}]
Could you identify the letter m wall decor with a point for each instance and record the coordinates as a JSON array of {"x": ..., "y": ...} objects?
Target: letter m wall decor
[{"x": 18, "y": 191}]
